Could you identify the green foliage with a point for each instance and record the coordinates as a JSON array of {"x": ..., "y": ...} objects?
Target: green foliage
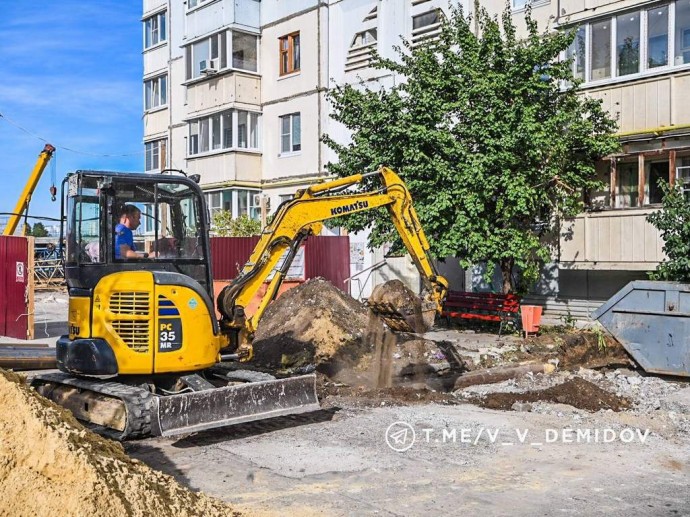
[
  {"x": 224, "y": 225},
  {"x": 569, "y": 321},
  {"x": 673, "y": 222},
  {"x": 38, "y": 230},
  {"x": 598, "y": 332},
  {"x": 490, "y": 135}
]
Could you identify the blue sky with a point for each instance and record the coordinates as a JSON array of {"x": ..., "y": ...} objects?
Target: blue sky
[{"x": 71, "y": 72}]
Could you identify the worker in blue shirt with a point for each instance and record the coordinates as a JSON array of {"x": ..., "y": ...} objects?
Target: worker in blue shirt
[{"x": 130, "y": 219}]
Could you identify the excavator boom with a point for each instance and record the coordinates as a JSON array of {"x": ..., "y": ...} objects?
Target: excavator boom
[
  {"x": 303, "y": 216},
  {"x": 25, "y": 197}
]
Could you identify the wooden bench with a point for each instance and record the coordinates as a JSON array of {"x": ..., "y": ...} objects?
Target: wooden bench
[{"x": 503, "y": 308}]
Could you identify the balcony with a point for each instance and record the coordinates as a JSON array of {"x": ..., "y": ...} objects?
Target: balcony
[{"x": 611, "y": 240}]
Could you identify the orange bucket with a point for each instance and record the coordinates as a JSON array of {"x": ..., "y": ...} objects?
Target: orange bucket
[{"x": 531, "y": 318}]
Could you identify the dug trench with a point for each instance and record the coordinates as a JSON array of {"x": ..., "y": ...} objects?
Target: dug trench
[{"x": 361, "y": 362}]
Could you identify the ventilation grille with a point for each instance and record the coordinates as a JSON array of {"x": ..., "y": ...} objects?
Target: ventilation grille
[
  {"x": 130, "y": 302},
  {"x": 135, "y": 334}
]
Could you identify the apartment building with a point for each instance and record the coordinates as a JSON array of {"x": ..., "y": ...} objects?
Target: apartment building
[{"x": 235, "y": 90}]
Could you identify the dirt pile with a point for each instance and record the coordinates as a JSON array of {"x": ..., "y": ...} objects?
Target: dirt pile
[
  {"x": 575, "y": 392},
  {"x": 51, "y": 465},
  {"x": 316, "y": 323}
]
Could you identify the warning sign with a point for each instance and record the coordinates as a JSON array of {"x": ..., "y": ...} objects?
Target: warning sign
[{"x": 20, "y": 272}]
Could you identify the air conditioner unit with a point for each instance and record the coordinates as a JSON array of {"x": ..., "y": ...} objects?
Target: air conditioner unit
[
  {"x": 209, "y": 67},
  {"x": 256, "y": 200}
]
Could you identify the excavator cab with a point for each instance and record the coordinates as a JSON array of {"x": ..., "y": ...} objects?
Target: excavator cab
[{"x": 172, "y": 235}]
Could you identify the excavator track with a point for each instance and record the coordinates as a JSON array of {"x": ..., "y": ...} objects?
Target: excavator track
[{"x": 119, "y": 403}]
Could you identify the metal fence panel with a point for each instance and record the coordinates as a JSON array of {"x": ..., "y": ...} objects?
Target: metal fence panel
[
  {"x": 328, "y": 257},
  {"x": 14, "y": 314}
]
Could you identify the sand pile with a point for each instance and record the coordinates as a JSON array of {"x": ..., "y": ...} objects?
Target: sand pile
[
  {"x": 316, "y": 323},
  {"x": 51, "y": 465}
]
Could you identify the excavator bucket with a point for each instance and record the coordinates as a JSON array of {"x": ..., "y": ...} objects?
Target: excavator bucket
[
  {"x": 401, "y": 309},
  {"x": 123, "y": 411}
]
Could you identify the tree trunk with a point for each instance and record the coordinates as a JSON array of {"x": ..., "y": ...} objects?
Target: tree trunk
[{"x": 507, "y": 274}]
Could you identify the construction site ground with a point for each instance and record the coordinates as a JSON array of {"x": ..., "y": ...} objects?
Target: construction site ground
[{"x": 596, "y": 436}]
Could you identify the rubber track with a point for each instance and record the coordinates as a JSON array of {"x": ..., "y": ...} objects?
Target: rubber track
[{"x": 138, "y": 402}]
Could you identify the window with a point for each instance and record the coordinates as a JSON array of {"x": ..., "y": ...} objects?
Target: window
[
  {"x": 210, "y": 55},
  {"x": 577, "y": 52},
  {"x": 290, "y": 134},
  {"x": 654, "y": 172},
  {"x": 244, "y": 51},
  {"x": 682, "y": 33},
  {"x": 155, "y": 155},
  {"x": 683, "y": 176},
  {"x": 206, "y": 56},
  {"x": 236, "y": 201},
  {"x": 628, "y": 44},
  {"x": 601, "y": 50},
  {"x": 216, "y": 132},
  {"x": 191, "y": 4},
  {"x": 626, "y": 185},
  {"x": 521, "y": 4},
  {"x": 289, "y": 54},
  {"x": 155, "y": 92},
  {"x": 219, "y": 200},
  {"x": 426, "y": 19},
  {"x": 364, "y": 38},
  {"x": 154, "y": 30},
  {"x": 657, "y": 37},
  {"x": 642, "y": 42},
  {"x": 426, "y": 27},
  {"x": 247, "y": 130}
]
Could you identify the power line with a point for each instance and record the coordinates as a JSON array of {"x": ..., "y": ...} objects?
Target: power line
[{"x": 76, "y": 151}]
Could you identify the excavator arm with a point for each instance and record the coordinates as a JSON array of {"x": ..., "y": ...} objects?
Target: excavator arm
[
  {"x": 25, "y": 197},
  {"x": 302, "y": 216}
]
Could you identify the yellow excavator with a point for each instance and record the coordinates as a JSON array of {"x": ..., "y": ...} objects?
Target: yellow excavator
[{"x": 145, "y": 354}]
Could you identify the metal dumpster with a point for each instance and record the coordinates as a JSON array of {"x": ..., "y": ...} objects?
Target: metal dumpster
[{"x": 652, "y": 321}]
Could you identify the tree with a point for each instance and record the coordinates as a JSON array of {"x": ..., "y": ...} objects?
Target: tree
[
  {"x": 225, "y": 226},
  {"x": 489, "y": 133},
  {"x": 673, "y": 222},
  {"x": 39, "y": 230}
]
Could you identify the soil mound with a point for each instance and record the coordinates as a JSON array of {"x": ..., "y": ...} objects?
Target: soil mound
[
  {"x": 589, "y": 350},
  {"x": 51, "y": 465},
  {"x": 575, "y": 392},
  {"x": 316, "y": 323}
]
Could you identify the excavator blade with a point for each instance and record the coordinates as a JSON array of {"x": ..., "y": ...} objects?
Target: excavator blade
[
  {"x": 123, "y": 411},
  {"x": 200, "y": 410}
]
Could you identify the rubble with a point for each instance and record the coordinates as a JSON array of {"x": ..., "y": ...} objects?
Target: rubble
[{"x": 51, "y": 465}]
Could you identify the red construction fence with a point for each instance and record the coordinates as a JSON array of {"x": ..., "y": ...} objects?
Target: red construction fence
[
  {"x": 16, "y": 287},
  {"x": 327, "y": 257}
]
